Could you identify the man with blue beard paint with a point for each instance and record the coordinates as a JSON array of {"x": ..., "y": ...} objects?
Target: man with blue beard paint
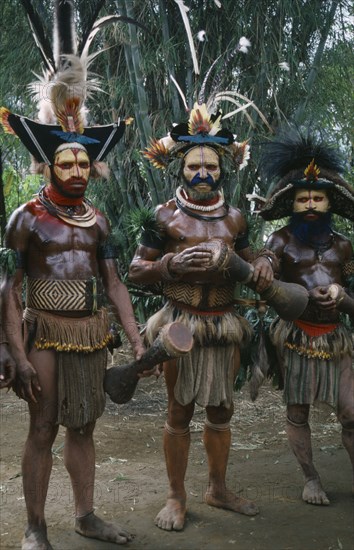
[
  {"x": 198, "y": 235},
  {"x": 316, "y": 351}
]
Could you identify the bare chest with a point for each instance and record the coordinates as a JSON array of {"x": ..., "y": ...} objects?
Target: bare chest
[
  {"x": 185, "y": 231},
  {"x": 312, "y": 267},
  {"x": 59, "y": 250}
]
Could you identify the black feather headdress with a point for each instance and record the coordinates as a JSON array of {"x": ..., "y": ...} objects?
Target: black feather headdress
[
  {"x": 62, "y": 90},
  {"x": 298, "y": 158}
]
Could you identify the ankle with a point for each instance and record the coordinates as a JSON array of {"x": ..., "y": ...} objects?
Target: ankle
[
  {"x": 84, "y": 516},
  {"x": 39, "y": 527},
  {"x": 179, "y": 495}
]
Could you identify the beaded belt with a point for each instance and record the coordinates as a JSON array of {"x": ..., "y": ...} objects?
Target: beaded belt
[{"x": 63, "y": 295}]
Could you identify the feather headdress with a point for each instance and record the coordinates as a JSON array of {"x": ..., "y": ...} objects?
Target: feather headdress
[
  {"x": 63, "y": 89},
  {"x": 204, "y": 126},
  {"x": 201, "y": 129},
  {"x": 295, "y": 159}
]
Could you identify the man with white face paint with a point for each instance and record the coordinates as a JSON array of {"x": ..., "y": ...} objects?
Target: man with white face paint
[
  {"x": 201, "y": 172},
  {"x": 316, "y": 351},
  {"x": 63, "y": 250},
  {"x": 197, "y": 236}
]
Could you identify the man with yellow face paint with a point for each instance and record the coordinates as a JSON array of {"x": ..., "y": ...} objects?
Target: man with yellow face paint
[
  {"x": 71, "y": 170},
  {"x": 197, "y": 237},
  {"x": 316, "y": 351},
  {"x": 63, "y": 251}
]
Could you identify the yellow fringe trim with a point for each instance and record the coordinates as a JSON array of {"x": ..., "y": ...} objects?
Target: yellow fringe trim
[
  {"x": 314, "y": 353},
  {"x": 42, "y": 344},
  {"x": 69, "y": 334}
]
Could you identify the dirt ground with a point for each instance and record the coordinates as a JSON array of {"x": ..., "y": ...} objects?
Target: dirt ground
[{"x": 131, "y": 481}]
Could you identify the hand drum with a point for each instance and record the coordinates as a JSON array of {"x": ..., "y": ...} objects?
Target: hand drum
[{"x": 172, "y": 341}]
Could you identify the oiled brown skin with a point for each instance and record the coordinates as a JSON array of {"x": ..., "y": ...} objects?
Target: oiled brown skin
[
  {"x": 300, "y": 264},
  {"x": 181, "y": 232},
  {"x": 184, "y": 237},
  {"x": 56, "y": 250}
]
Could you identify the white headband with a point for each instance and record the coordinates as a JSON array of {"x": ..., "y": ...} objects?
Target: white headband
[{"x": 73, "y": 145}]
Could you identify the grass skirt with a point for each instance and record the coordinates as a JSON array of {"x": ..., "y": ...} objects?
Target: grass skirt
[
  {"x": 207, "y": 373},
  {"x": 311, "y": 365},
  {"x": 80, "y": 346}
]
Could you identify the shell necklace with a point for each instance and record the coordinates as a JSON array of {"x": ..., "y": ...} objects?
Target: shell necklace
[{"x": 200, "y": 207}]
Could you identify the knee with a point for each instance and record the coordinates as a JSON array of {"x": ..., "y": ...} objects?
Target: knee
[
  {"x": 219, "y": 415},
  {"x": 298, "y": 414},
  {"x": 43, "y": 434},
  {"x": 77, "y": 434},
  {"x": 180, "y": 416}
]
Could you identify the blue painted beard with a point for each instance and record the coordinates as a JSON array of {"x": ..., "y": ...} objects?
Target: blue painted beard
[{"x": 311, "y": 231}]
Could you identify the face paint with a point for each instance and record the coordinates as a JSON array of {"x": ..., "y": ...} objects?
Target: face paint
[
  {"x": 202, "y": 168},
  {"x": 311, "y": 201},
  {"x": 71, "y": 172}
]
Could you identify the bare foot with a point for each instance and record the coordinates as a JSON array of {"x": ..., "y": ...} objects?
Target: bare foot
[
  {"x": 36, "y": 540},
  {"x": 229, "y": 501},
  {"x": 171, "y": 517},
  {"x": 95, "y": 528},
  {"x": 313, "y": 493}
]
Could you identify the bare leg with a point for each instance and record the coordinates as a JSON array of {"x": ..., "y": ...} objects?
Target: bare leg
[
  {"x": 176, "y": 448},
  {"x": 348, "y": 444},
  {"x": 79, "y": 459},
  {"x": 37, "y": 454},
  {"x": 217, "y": 440},
  {"x": 346, "y": 409},
  {"x": 299, "y": 436}
]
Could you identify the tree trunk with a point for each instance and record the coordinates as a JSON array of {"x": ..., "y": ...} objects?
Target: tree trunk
[{"x": 300, "y": 111}]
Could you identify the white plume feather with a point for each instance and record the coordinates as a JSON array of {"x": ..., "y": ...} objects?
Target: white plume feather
[{"x": 183, "y": 9}]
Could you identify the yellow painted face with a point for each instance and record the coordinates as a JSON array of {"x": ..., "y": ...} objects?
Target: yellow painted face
[
  {"x": 201, "y": 167},
  {"x": 311, "y": 199},
  {"x": 72, "y": 170}
]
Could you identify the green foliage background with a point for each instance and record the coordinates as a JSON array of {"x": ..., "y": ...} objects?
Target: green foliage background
[{"x": 314, "y": 39}]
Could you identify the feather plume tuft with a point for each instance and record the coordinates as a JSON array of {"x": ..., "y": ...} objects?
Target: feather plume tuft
[
  {"x": 312, "y": 171},
  {"x": 157, "y": 153},
  {"x": 100, "y": 169},
  {"x": 183, "y": 97},
  {"x": 184, "y": 10},
  {"x": 64, "y": 36},
  {"x": 200, "y": 121},
  {"x": 65, "y": 93},
  {"x": 294, "y": 149},
  {"x": 4, "y": 116},
  {"x": 240, "y": 153}
]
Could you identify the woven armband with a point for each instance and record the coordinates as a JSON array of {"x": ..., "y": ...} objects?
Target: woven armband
[
  {"x": 163, "y": 268},
  {"x": 10, "y": 260},
  {"x": 348, "y": 275},
  {"x": 151, "y": 239},
  {"x": 241, "y": 242}
]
